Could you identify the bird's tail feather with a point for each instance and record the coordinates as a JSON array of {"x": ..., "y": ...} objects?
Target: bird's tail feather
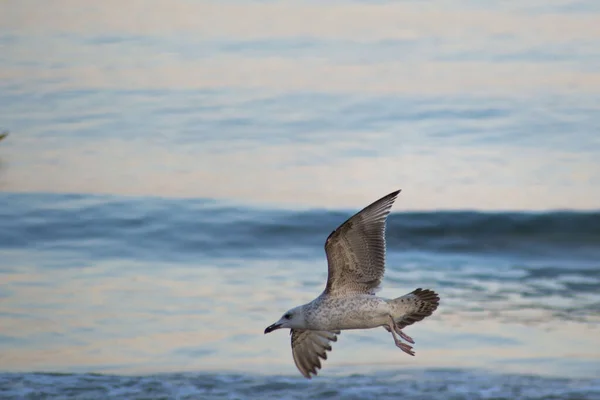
[{"x": 416, "y": 306}]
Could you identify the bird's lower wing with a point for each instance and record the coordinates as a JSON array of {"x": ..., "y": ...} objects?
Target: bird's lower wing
[{"x": 309, "y": 347}]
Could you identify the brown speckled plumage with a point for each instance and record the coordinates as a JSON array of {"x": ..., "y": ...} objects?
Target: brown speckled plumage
[{"x": 356, "y": 250}]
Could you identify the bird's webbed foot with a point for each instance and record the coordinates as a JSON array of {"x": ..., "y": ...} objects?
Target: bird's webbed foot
[
  {"x": 407, "y": 348},
  {"x": 392, "y": 328}
]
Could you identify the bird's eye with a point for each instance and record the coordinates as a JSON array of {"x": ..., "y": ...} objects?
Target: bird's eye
[{"x": 287, "y": 316}]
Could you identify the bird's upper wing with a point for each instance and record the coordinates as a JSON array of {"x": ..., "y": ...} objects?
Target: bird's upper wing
[
  {"x": 309, "y": 347},
  {"x": 356, "y": 250}
]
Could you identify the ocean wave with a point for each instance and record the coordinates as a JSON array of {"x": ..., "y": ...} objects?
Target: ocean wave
[
  {"x": 181, "y": 228},
  {"x": 405, "y": 384}
]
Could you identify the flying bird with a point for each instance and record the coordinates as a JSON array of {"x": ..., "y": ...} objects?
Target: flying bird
[{"x": 356, "y": 264}]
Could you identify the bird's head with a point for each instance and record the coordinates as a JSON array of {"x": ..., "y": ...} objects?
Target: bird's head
[{"x": 293, "y": 319}]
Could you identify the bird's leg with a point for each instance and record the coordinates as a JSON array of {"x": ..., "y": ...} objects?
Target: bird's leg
[
  {"x": 403, "y": 346},
  {"x": 400, "y": 333},
  {"x": 403, "y": 335}
]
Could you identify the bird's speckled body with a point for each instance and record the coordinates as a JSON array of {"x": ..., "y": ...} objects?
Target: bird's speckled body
[{"x": 361, "y": 311}]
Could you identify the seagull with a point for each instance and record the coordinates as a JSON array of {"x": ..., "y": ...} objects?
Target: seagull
[{"x": 356, "y": 264}]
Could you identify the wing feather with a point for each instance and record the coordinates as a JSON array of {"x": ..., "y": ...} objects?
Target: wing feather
[
  {"x": 309, "y": 347},
  {"x": 356, "y": 250}
]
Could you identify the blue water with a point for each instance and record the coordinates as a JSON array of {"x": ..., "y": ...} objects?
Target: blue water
[
  {"x": 113, "y": 284},
  {"x": 173, "y": 168},
  {"x": 422, "y": 385}
]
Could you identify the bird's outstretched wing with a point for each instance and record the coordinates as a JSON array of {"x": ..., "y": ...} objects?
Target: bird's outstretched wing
[
  {"x": 356, "y": 250},
  {"x": 309, "y": 347}
]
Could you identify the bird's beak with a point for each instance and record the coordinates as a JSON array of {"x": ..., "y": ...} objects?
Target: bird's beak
[{"x": 272, "y": 328}]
